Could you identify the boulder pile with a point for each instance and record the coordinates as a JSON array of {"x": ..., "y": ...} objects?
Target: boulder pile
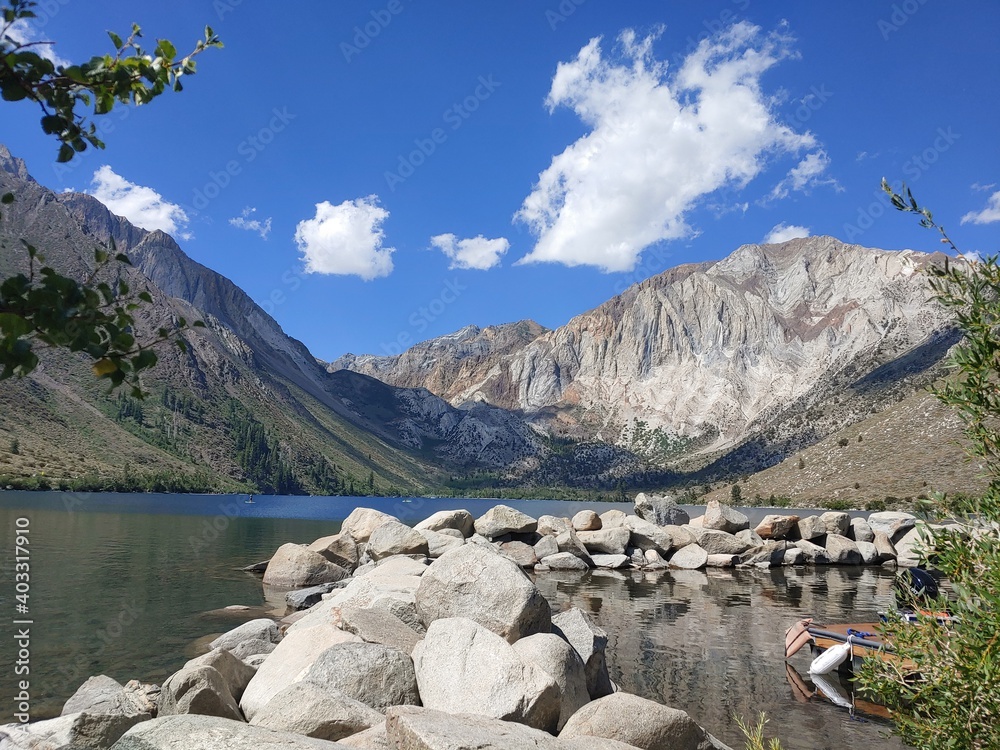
[{"x": 434, "y": 637}]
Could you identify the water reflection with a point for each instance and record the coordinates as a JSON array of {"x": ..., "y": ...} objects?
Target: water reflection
[
  {"x": 712, "y": 643},
  {"x": 126, "y": 593}
]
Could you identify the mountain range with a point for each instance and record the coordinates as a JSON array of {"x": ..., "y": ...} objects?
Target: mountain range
[{"x": 697, "y": 375}]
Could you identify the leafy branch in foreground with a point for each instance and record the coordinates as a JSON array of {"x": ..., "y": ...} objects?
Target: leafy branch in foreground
[
  {"x": 92, "y": 316},
  {"x": 754, "y": 734},
  {"x": 954, "y": 700},
  {"x": 131, "y": 75}
]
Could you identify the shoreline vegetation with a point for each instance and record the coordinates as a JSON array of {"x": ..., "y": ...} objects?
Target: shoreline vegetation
[{"x": 435, "y": 636}]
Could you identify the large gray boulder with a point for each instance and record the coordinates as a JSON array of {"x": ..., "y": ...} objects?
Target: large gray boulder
[
  {"x": 297, "y": 651},
  {"x": 842, "y": 551},
  {"x": 255, "y": 647},
  {"x": 299, "y": 599},
  {"x": 810, "y": 528},
  {"x": 721, "y": 517},
  {"x": 502, "y": 519},
  {"x": 235, "y": 673},
  {"x": 586, "y": 520},
  {"x": 410, "y": 728},
  {"x": 893, "y": 524},
  {"x": 812, "y": 553},
  {"x": 565, "y": 561},
  {"x": 395, "y": 538},
  {"x": 860, "y": 531},
  {"x": 835, "y": 522},
  {"x": 716, "y": 542},
  {"x": 460, "y": 520},
  {"x": 197, "y": 690},
  {"x": 521, "y": 553},
  {"x": 464, "y": 668},
  {"x": 553, "y": 525},
  {"x": 775, "y": 526},
  {"x": 546, "y": 546},
  {"x": 639, "y": 722},
  {"x": 376, "y": 675},
  {"x": 591, "y": 642},
  {"x": 646, "y": 535},
  {"x": 610, "y": 561},
  {"x": 569, "y": 541},
  {"x": 606, "y": 541},
  {"x": 482, "y": 585},
  {"x": 314, "y": 710},
  {"x": 869, "y": 552},
  {"x": 563, "y": 664},
  {"x": 885, "y": 548},
  {"x": 371, "y": 739},
  {"x": 76, "y": 731},
  {"x": 379, "y": 624},
  {"x": 690, "y": 557},
  {"x": 438, "y": 543},
  {"x": 660, "y": 509},
  {"x": 363, "y": 521},
  {"x": 260, "y": 629},
  {"x": 294, "y": 567},
  {"x": 213, "y": 733},
  {"x": 613, "y": 519},
  {"x": 104, "y": 695},
  {"x": 340, "y": 549},
  {"x": 770, "y": 554}
]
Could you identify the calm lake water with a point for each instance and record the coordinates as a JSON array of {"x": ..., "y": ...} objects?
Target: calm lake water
[{"x": 126, "y": 585}]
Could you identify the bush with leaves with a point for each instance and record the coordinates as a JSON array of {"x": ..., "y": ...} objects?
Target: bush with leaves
[
  {"x": 43, "y": 307},
  {"x": 954, "y": 700}
]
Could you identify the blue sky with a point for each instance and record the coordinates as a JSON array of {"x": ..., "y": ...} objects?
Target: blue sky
[{"x": 377, "y": 173}]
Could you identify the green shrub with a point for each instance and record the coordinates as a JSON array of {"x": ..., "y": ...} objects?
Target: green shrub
[{"x": 875, "y": 506}]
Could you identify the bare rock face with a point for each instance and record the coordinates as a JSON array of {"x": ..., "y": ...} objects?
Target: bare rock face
[
  {"x": 721, "y": 517},
  {"x": 586, "y": 520},
  {"x": 835, "y": 522},
  {"x": 104, "y": 695},
  {"x": 460, "y": 520},
  {"x": 502, "y": 519},
  {"x": 660, "y": 509},
  {"x": 482, "y": 585},
  {"x": 611, "y": 519},
  {"x": 606, "y": 541},
  {"x": 591, "y": 642},
  {"x": 521, "y": 553},
  {"x": 716, "y": 542},
  {"x": 300, "y": 647},
  {"x": 293, "y": 567},
  {"x": 340, "y": 549},
  {"x": 261, "y": 629},
  {"x": 893, "y": 524},
  {"x": 639, "y": 722},
  {"x": 363, "y": 521},
  {"x": 438, "y": 543},
  {"x": 376, "y": 675},
  {"x": 395, "y": 538},
  {"x": 563, "y": 664},
  {"x": 860, "y": 531},
  {"x": 313, "y": 710},
  {"x": 212, "y": 733},
  {"x": 842, "y": 551},
  {"x": 775, "y": 526},
  {"x": 462, "y": 667},
  {"x": 412, "y": 728},
  {"x": 235, "y": 673},
  {"x": 646, "y": 535},
  {"x": 691, "y": 557},
  {"x": 197, "y": 690}
]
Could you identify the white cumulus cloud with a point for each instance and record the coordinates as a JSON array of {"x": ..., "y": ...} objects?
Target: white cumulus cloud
[
  {"x": 988, "y": 215},
  {"x": 657, "y": 144},
  {"x": 243, "y": 221},
  {"x": 23, "y": 32},
  {"x": 476, "y": 252},
  {"x": 141, "y": 205},
  {"x": 804, "y": 175},
  {"x": 784, "y": 232},
  {"x": 346, "y": 240}
]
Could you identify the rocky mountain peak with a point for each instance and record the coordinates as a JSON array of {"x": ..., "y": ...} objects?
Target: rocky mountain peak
[{"x": 12, "y": 165}]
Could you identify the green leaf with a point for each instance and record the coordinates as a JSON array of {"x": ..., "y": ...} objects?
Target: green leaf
[
  {"x": 65, "y": 153},
  {"x": 7, "y": 199},
  {"x": 116, "y": 40},
  {"x": 14, "y": 326},
  {"x": 104, "y": 367}
]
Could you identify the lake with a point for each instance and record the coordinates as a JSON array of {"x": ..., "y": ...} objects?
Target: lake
[{"x": 126, "y": 585}]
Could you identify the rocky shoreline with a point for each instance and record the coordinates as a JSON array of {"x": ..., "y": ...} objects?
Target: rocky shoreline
[{"x": 435, "y": 638}]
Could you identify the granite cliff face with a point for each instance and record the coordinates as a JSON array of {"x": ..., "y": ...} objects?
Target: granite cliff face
[
  {"x": 703, "y": 356},
  {"x": 406, "y": 437}
]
